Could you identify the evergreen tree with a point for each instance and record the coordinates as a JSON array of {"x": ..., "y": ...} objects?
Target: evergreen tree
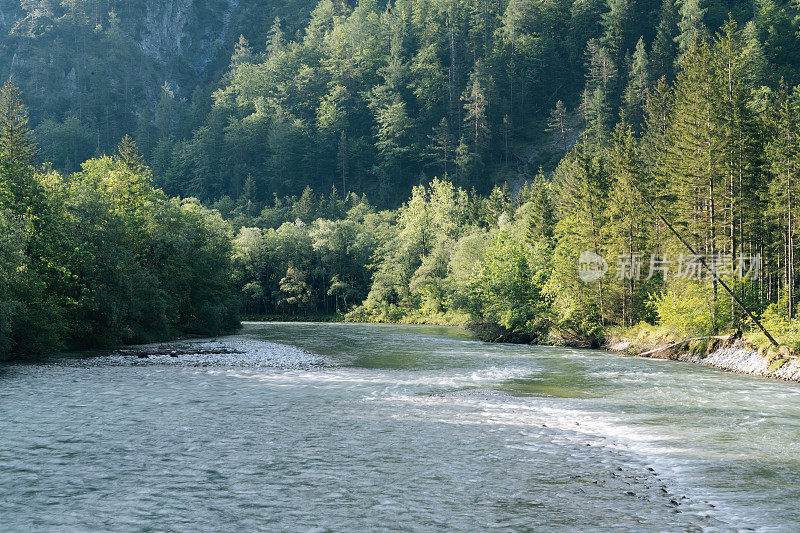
[
  {"x": 275, "y": 39},
  {"x": 441, "y": 145},
  {"x": 557, "y": 123},
  {"x": 784, "y": 162},
  {"x": 129, "y": 153},
  {"x": 475, "y": 119},
  {"x": 638, "y": 87},
  {"x": 691, "y": 26},
  {"x": 617, "y": 23},
  {"x": 16, "y": 139},
  {"x": 663, "y": 48},
  {"x": 628, "y": 222},
  {"x": 695, "y": 153}
]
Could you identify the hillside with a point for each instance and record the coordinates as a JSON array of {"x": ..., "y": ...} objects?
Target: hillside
[
  {"x": 94, "y": 70},
  {"x": 225, "y": 100}
]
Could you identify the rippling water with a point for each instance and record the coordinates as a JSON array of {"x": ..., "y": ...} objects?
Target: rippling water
[{"x": 407, "y": 428}]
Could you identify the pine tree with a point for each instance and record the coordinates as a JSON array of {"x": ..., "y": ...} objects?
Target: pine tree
[
  {"x": 557, "y": 123},
  {"x": 691, "y": 26},
  {"x": 638, "y": 86},
  {"x": 17, "y": 148}
]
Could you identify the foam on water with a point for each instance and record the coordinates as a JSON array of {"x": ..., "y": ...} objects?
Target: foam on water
[{"x": 390, "y": 427}]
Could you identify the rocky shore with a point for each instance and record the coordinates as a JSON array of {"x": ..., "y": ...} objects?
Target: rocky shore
[{"x": 731, "y": 354}]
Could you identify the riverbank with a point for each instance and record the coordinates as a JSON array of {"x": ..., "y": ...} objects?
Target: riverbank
[{"x": 730, "y": 353}]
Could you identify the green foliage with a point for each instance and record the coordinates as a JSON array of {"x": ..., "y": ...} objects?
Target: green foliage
[
  {"x": 372, "y": 100},
  {"x": 784, "y": 329},
  {"x": 687, "y": 311},
  {"x": 300, "y": 267},
  {"x": 101, "y": 257},
  {"x": 506, "y": 287}
]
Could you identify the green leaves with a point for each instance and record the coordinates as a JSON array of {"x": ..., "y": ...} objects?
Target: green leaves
[{"x": 506, "y": 288}]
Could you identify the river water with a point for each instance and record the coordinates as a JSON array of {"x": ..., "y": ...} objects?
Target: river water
[{"x": 404, "y": 428}]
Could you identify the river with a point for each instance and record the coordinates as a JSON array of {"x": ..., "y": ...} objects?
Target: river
[{"x": 401, "y": 428}]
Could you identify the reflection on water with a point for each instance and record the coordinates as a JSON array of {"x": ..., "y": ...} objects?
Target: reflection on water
[{"x": 412, "y": 428}]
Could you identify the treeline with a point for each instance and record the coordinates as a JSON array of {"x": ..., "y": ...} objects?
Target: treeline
[
  {"x": 322, "y": 255},
  {"x": 100, "y": 256},
  {"x": 308, "y": 256},
  {"x": 716, "y": 151},
  {"x": 718, "y": 155}
]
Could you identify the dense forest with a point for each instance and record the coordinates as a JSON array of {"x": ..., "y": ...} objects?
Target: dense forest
[
  {"x": 425, "y": 161},
  {"x": 100, "y": 256}
]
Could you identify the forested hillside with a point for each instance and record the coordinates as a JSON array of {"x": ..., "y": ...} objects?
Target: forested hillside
[
  {"x": 369, "y": 97},
  {"x": 677, "y": 105},
  {"x": 425, "y": 161},
  {"x": 95, "y": 70}
]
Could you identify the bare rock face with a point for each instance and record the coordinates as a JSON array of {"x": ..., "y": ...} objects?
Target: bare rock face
[
  {"x": 186, "y": 31},
  {"x": 177, "y": 40}
]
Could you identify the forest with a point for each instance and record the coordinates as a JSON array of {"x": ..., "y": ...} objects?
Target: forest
[{"x": 417, "y": 161}]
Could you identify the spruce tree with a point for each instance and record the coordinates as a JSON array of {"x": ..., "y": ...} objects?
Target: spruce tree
[
  {"x": 627, "y": 221},
  {"x": 637, "y": 88},
  {"x": 691, "y": 26},
  {"x": 475, "y": 120},
  {"x": 663, "y": 49},
  {"x": 441, "y": 147},
  {"x": 695, "y": 161},
  {"x": 616, "y": 23},
  {"x": 783, "y": 152},
  {"x": 129, "y": 153},
  {"x": 740, "y": 138},
  {"x": 557, "y": 123},
  {"x": 18, "y": 188},
  {"x": 17, "y": 148}
]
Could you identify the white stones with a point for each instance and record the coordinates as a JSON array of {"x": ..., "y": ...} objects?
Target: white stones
[
  {"x": 747, "y": 361},
  {"x": 230, "y": 352}
]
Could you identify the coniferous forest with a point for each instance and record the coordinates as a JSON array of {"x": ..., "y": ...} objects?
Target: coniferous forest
[{"x": 414, "y": 161}]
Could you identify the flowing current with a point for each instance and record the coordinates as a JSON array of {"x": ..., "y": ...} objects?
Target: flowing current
[{"x": 394, "y": 428}]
